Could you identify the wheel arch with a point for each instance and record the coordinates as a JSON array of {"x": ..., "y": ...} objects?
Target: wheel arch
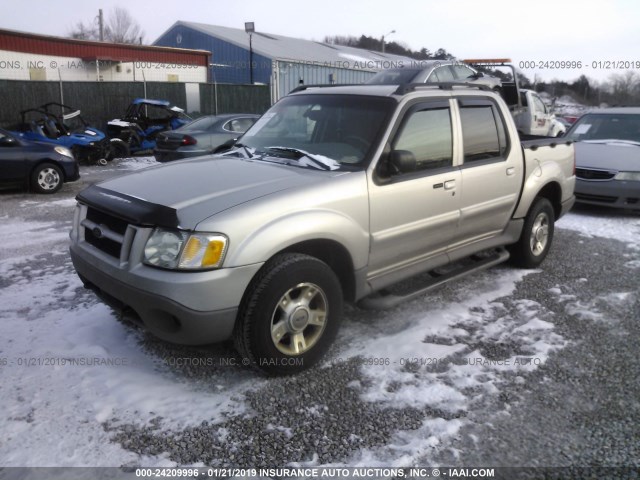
[
  {"x": 335, "y": 255},
  {"x": 552, "y": 192}
]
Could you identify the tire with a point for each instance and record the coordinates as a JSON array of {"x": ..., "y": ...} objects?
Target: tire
[
  {"x": 536, "y": 237},
  {"x": 289, "y": 315},
  {"x": 119, "y": 149},
  {"x": 46, "y": 178}
]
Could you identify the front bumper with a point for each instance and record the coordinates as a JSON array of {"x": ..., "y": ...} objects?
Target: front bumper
[
  {"x": 611, "y": 193},
  {"x": 189, "y": 308}
]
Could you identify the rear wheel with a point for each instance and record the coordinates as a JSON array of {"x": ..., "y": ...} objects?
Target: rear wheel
[
  {"x": 290, "y": 314},
  {"x": 536, "y": 237},
  {"x": 46, "y": 178},
  {"x": 119, "y": 149}
]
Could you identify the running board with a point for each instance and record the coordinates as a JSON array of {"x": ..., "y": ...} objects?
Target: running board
[{"x": 385, "y": 301}]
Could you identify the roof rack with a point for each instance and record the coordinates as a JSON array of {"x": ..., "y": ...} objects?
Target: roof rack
[
  {"x": 488, "y": 61},
  {"x": 324, "y": 85},
  {"x": 412, "y": 87}
]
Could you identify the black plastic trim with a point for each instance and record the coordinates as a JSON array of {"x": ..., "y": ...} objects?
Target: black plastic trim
[{"x": 131, "y": 209}]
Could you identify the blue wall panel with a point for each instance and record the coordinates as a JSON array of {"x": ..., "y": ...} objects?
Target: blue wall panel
[{"x": 231, "y": 62}]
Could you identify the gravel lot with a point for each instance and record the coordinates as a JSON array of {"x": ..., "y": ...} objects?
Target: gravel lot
[{"x": 504, "y": 368}]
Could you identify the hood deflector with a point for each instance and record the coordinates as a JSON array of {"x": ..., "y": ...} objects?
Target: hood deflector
[{"x": 132, "y": 209}]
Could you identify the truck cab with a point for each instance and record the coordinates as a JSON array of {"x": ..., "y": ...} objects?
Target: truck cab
[{"x": 535, "y": 118}]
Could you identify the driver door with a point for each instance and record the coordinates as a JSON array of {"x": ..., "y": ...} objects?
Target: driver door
[{"x": 414, "y": 214}]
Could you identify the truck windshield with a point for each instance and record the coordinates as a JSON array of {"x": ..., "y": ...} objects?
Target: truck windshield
[
  {"x": 344, "y": 128},
  {"x": 606, "y": 126}
]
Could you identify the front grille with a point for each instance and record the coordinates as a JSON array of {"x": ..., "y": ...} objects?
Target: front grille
[
  {"x": 594, "y": 174},
  {"x": 104, "y": 231},
  {"x": 595, "y": 198}
]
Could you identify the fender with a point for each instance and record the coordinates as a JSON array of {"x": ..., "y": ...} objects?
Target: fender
[{"x": 283, "y": 232}]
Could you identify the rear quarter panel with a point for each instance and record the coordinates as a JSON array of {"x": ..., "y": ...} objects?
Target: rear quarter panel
[{"x": 544, "y": 165}]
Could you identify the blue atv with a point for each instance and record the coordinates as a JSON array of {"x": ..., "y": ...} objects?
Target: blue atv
[
  {"x": 144, "y": 120},
  {"x": 62, "y": 125}
]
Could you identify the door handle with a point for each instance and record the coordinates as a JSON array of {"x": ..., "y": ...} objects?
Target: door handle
[
  {"x": 510, "y": 171},
  {"x": 449, "y": 184}
]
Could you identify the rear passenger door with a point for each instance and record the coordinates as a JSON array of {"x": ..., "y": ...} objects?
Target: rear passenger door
[{"x": 492, "y": 170}]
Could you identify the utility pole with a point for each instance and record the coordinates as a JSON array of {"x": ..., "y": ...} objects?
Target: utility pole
[
  {"x": 101, "y": 25},
  {"x": 386, "y": 35}
]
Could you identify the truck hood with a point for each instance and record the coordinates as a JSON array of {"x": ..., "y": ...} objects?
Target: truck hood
[
  {"x": 608, "y": 156},
  {"x": 181, "y": 194}
]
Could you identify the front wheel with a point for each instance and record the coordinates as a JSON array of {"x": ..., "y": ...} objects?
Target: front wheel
[
  {"x": 290, "y": 314},
  {"x": 536, "y": 237},
  {"x": 46, "y": 178}
]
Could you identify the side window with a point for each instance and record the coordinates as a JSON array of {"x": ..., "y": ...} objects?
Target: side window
[
  {"x": 239, "y": 125},
  {"x": 538, "y": 105},
  {"x": 483, "y": 133},
  {"x": 427, "y": 135},
  {"x": 463, "y": 72}
]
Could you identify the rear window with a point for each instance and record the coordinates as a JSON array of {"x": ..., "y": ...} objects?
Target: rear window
[
  {"x": 200, "y": 124},
  {"x": 394, "y": 77}
]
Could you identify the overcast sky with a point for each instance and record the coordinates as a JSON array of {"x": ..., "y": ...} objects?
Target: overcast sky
[{"x": 584, "y": 31}]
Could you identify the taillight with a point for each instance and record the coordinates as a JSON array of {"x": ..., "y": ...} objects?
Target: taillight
[{"x": 188, "y": 140}]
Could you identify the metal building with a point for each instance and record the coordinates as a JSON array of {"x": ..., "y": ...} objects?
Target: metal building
[
  {"x": 30, "y": 56},
  {"x": 279, "y": 61}
]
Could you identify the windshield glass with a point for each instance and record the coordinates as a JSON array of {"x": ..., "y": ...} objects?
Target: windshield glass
[
  {"x": 344, "y": 128},
  {"x": 606, "y": 126},
  {"x": 74, "y": 124}
]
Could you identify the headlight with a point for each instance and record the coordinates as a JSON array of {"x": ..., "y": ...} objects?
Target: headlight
[
  {"x": 634, "y": 176},
  {"x": 64, "y": 151},
  {"x": 175, "y": 249}
]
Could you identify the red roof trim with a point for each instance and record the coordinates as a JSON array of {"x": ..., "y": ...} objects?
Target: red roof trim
[{"x": 68, "y": 47}]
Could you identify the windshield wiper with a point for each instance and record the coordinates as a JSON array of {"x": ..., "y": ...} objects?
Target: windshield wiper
[
  {"x": 307, "y": 159},
  {"x": 249, "y": 153}
]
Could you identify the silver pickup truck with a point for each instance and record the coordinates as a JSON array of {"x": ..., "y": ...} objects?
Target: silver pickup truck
[{"x": 335, "y": 194}]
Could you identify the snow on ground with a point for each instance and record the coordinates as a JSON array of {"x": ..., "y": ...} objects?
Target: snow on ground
[{"x": 615, "y": 224}]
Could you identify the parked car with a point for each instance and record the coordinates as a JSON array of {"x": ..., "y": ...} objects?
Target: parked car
[
  {"x": 143, "y": 121},
  {"x": 336, "y": 193},
  {"x": 202, "y": 136},
  {"x": 608, "y": 157},
  {"x": 63, "y": 125},
  {"x": 42, "y": 167},
  {"x": 434, "y": 71}
]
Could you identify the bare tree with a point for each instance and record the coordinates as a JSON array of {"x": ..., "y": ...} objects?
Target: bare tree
[
  {"x": 83, "y": 31},
  {"x": 120, "y": 27},
  {"x": 624, "y": 87}
]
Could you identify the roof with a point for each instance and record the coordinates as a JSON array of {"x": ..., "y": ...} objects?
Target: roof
[
  {"x": 14, "y": 41},
  {"x": 279, "y": 47}
]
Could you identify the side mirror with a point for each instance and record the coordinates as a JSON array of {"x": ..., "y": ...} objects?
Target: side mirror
[
  {"x": 225, "y": 146},
  {"x": 402, "y": 161},
  {"x": 478, "y": 75}
]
